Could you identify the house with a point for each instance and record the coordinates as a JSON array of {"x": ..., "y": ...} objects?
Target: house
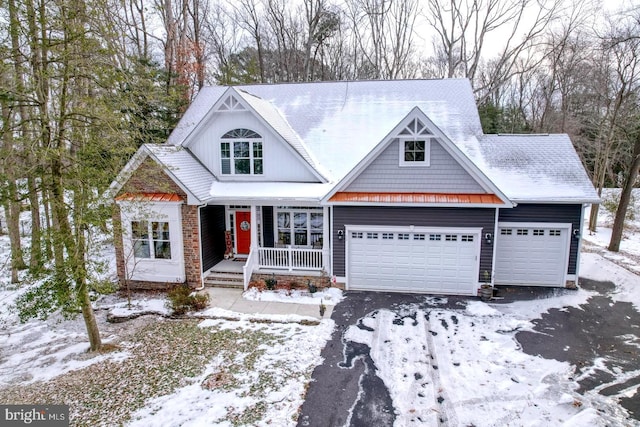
[{"x": 383, "y": 185}]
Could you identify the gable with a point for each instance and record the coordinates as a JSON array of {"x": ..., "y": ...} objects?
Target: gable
[
  {"x": 280, "y": 163},
  {"x": 283, "y": 157},
  {"x": 417, "y": 164},
  {"x": 150, "y": 178},
  {"x": 443, "y": 175}
]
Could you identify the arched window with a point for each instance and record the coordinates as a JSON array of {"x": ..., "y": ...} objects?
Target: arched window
[{"x": 241, "y": 152}]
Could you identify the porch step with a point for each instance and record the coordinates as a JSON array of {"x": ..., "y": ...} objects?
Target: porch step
[{"x": 224, "y": 280}]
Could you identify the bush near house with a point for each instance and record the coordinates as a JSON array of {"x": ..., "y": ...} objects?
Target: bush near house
[{"x": 182, "y": 299}]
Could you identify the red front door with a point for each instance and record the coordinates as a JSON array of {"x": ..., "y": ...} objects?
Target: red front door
[{"x": 243, "y": 232}]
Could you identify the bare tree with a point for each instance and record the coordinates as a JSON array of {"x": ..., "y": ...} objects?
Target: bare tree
[
  {"x": 627, "y": 42},
  {"x": 384, "y": 35},
  {"x": 463, "y": 29}
]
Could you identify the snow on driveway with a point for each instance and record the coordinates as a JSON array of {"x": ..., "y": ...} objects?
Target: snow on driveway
[{"x": 463, "y": 366}]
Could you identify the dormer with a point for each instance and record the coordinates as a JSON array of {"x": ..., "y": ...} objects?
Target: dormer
[{"x": 245, "y": 138}]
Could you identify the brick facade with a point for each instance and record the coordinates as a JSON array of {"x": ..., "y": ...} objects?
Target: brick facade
[
  {"x": 149, "y": 177},
  {"x": 293, "y": 281}
]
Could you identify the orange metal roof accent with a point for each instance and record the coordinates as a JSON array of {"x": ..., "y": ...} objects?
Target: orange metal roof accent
[
  {"x": 415, "y": 198},
  {"x": 149, "y": 197}
]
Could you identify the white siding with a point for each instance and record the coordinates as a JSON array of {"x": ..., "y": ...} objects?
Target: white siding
[
  {"x": 147, "y": 269},
  {"x": 280, "y": 162}
]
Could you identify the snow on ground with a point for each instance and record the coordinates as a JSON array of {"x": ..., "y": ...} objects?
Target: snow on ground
[
  {"x": 466, "y": 357},
  {"x": 330, "y": 296},
  {"x": 465, "y": 367},
  {"x": 280, "y": 393}
]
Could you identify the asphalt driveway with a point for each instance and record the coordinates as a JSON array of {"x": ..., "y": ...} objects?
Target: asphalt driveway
[{"x": 347, "y": 390}]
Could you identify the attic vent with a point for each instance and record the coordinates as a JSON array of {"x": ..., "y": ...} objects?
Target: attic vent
[
  {"x": 231, "y": 104},
  {"x": 416, "y": 127}
]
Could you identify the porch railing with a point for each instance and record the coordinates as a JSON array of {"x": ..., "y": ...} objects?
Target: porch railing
[
  {"x": 249, "y": 266},
  {"x": 290, "y": 258}
]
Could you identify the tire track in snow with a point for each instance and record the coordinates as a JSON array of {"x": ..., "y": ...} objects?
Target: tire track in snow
[{"x": 448, "y": 415}]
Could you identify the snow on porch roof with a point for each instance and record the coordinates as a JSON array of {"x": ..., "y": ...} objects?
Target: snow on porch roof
[
  {"x": 269, "y": 191},
  {"x": 149, "y": 197},
  {"x": 435, "y": 198}
]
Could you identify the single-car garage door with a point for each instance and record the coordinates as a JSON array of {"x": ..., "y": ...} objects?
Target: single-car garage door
[
  {"x": 413, "y": 260},
  {"x": 532, "y": 254}
]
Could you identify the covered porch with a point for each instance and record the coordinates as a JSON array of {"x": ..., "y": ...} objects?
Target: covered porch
[{"x": 247, "y": 239}]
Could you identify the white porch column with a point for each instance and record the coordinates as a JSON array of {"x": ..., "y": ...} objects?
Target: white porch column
[
  {"x": 326, "y": 240},
  {"x": 254, "y": 227}
]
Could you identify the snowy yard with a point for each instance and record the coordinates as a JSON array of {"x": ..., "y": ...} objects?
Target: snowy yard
[{"x": 163, "y": 372}]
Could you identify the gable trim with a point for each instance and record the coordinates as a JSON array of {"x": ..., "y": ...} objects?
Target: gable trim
[
  {"x": 436, "y": 133},
  {"x": 134, "y": 163}
]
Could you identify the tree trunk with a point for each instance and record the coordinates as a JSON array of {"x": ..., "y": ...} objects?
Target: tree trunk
[
  {"x": 35, "y": 260},
  {"x": 625, "y": 198}
]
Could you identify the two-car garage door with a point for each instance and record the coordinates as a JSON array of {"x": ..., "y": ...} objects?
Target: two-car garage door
[
  {"x": 532, "y": 254},
  {"x": 422, "y": 260}
]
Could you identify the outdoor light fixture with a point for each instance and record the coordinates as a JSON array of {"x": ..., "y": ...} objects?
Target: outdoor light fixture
[
  {"x": 576, "y": 233},
  {"x": 488, "y": 238},
  {"x": 340, "y": 234}
]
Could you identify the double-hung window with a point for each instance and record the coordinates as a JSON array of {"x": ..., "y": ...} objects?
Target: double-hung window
[
  {"x": 151, "y": 239},
  {"x": 299, "y": 226},
  {"x": 241, "y": 153}
]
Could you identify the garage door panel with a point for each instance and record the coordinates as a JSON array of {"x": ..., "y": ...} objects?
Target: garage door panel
[
  {"x": 414, "y": 261},
  {"x": 535, "y": 255}
]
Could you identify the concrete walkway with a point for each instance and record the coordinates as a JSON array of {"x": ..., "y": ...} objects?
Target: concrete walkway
[{"x": 231, "y": 299}]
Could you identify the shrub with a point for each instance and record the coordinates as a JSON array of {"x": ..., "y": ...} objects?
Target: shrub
[
  {"x": 182, "y": 300},
  {"x": 610, "y": 202},
  {"x": 271, "y": 282},
  {"x": 312, "y": 287}
]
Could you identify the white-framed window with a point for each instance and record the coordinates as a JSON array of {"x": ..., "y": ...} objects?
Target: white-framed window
[
  {"x": 241, "y": 153},
  {"x": 419, "y": 236},
  {"x": 522, "y": 232},
  {"x": 387, "y": 236},
  {"x": 151, "y": 239},
  {"x": 415, "y": 144},
  {"x": 403, "y": 236},
  {"x": 299, "y": 226},
  {"x": 357, "y": 235},
  {"x": 538, "y": 232},
  {"x": 435, "y": 237},
  {"x": 555, "y": 232},
  {"x": 506, "y": 232},
  {"x": 451, "y": 237},
  {"x": 466, "y": 238}
]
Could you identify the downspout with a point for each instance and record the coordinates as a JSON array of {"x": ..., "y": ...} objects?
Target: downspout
[
  {"x": 495, "y": 239},
  {"x": 584, "y": 205},
  {"x": 200, "y": 247}
]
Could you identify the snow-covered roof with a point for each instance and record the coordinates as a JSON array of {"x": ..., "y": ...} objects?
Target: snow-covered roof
[
  {"x": 188, "y": 172},
  {"x": 273, "y": 192},
  {"x": 340, "y": 122},
  {"x": 533, "y": 168},
  {"x": 334, "y": 125}
]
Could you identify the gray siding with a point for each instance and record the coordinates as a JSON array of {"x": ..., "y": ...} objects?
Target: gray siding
[
  {"x": 444, "y": 175},
  {"x": 548, "y": 213},
  {"x": 212, "y": 226},
  {"x": 418, "y": 216}
]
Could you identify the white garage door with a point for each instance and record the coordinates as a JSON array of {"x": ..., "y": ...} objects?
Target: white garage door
[
  {"x": 532, "y": 254},
  {"x": 428, "y": 261}
]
